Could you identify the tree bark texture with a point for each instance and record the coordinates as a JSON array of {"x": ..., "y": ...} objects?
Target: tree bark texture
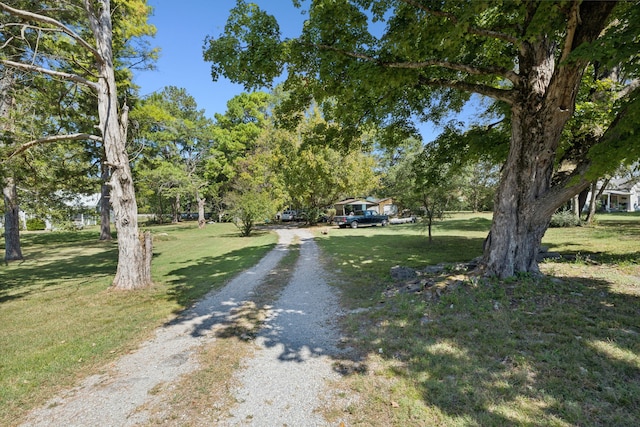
[
  {"x": 595, "y": 199},
  {"x": 175, "y": 209},
  {"x": 545, "y": 100},
  {"x": 201, "y": 219},
  {"x": 105, "y": 204},
  {"x": 12, "y": 250},
  {"x": 132, "y": 272}
]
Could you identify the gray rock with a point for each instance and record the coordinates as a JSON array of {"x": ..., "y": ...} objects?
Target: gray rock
[{"x": 399, "y": 272}]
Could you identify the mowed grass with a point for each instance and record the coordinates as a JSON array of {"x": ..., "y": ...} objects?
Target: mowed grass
[
  {"x": 60, "y": 321},
  {"x": 562, "y": 350}
]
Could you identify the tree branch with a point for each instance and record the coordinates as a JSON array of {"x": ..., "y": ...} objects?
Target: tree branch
[
  {"x": 563, "y": 189},
  {"x": 53, "y": 138},
  {"x": 572, "y": 25},
  {"x": 499, "y": 71},
  {"x": 628, "y": 89},
  {"x": 472, "y": 30},
  {"x": 60, "y": 74},
  {"x": 504, "y": 95},
  {"x": 30, "y": 16}
]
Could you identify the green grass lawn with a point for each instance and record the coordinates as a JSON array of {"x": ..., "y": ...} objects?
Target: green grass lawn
[
  {"x": 563, "y": 350},
  {"x": 60, "y": 321}
]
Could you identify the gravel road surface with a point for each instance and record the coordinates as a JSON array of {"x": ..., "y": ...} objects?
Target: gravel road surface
[{"x": 282, "y": 384}]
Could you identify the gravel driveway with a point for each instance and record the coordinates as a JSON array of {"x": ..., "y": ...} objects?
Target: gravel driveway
[{"x": 281, "y": 385}]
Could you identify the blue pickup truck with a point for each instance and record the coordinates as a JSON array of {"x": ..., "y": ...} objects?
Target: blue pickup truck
[{"x": 361, "y": 218}]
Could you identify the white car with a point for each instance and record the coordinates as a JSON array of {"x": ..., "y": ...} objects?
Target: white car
[{"x": 288, "y": 215}]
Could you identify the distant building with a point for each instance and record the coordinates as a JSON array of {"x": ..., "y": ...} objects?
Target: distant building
[
  {"x": 382, "y": 206},
  {"x": 620, "y": 195}
]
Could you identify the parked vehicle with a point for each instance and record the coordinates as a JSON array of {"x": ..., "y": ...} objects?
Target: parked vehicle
[
  {"x": 361, "y": 218},
  {"x": 288, "y": 215},
  {"x": 405, "y": 220}
]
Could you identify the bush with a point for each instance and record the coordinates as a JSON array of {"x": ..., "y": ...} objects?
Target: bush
[
  {"x": 34, "y": 224},
  {"x": 564, "y": 218}
]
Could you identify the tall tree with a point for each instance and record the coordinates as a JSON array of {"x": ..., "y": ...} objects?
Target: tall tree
[
  {"x": 12, "y": 248},
  {"x": 255, "y": 191},
  {"x": 235, "y": 135},
  {"x": 315, "y": 174},
  {"x": 133, "y": 269},
  {"x": 388, "y": 61},
  {"x": 435, "y": 186},
  {"x": 174, "y": 131}
]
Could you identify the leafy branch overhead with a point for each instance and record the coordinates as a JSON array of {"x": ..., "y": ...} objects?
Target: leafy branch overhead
[{"x": 387, "y": 63}]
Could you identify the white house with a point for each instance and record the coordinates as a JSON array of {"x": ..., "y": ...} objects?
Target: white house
[
  {"x": 382, "y": 206},
  {"x": 620, "y": 195}
]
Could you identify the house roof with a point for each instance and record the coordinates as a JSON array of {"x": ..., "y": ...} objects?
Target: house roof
[
  {"x": 355, "y": 202},
  {"x": 622, "y": 184}
]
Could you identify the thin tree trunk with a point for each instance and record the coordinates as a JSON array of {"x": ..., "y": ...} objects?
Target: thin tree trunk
[
  {"x": 131, "y": 272},
  {"x": 582, "y": 199},
  {"x": 201, "y": 219},
  {"x": 175, "y": 207},
  {"x": 595, "y": 197},
  {"x": 12, "y": 251},
  {"x": 147, "y": 245},
  {"x": 105, "y": 205}
]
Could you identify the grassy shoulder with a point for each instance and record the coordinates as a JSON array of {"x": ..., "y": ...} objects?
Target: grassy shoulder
[
  {"x": 60, "y": 321},
  {"x": 562, "y": 350}
]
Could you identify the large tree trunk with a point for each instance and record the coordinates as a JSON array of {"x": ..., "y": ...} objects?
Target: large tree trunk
[
  {"x": 524, "y": 203},
  {"x": 12, "y": 250},
  {"x": 529, "y": 193},
  {"x": 133, "y": 269},
  {"x": 105, "y": 204}
]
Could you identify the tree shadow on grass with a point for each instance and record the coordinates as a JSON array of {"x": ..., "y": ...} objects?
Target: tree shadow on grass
[
  {"x": 591, "y": 257},
  {"x": 528, "y": 353},
  {"x": 65, "y": 238},
  {"x": 469, "y": 224},
  {"x": 374, "y": 254},
  {"x": 23, "y": 278},
  {"x": 196, "y": 280}
]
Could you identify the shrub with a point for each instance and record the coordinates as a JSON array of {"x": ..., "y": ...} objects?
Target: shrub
[
  {"x": 34, "y": 224},
  {"x": 564, "y": 218}
]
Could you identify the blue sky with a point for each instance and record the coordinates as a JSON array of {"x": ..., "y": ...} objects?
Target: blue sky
[{"x": 181, "y": 29}]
